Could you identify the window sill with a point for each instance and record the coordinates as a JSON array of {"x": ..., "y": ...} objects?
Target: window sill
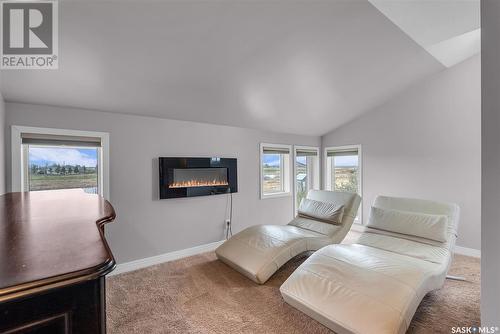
[{"x": 275, "y": 195}]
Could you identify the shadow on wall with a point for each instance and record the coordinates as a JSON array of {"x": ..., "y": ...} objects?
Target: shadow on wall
[{"x": 155, "y": 179}]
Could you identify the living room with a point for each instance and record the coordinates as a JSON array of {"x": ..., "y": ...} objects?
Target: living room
[{"x": 199, "y": 124}]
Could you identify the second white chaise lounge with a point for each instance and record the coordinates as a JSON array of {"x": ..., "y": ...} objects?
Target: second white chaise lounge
[
  {"x": 376, "y": 285},
  {"x": 258, "y": 251}
]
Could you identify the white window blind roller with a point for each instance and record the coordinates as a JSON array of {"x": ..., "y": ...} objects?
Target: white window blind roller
[
  {"x": 275, "y": 150},
  {"x": 306, "y": 153},
  {"x": 60, "y": 140},
  {"x": 341, "y": 153}
]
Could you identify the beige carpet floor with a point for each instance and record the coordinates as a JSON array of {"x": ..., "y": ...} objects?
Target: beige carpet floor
[{"x": 200, "y": 294}]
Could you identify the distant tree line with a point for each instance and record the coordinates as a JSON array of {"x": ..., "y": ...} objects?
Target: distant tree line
[{"x": 61, "y": 169}]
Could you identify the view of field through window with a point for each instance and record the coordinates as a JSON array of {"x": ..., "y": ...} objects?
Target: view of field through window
[
  {"x": 345, "y": 173},
  {"x": 54, "y": 167},
  {"x": 272, "y": 173}
]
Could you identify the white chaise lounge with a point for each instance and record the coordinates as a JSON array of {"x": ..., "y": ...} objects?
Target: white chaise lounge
[
  {"x": 376, "y": 285},
  {"x": 324, "y": 218}
]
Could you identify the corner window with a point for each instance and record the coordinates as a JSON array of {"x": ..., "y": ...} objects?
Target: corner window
[
  {"x": 343, "y": 170},
  {"x": 52, "y": 159},
  {"x": 274, "y": 170},
  {"x": 306, "y": 171}
]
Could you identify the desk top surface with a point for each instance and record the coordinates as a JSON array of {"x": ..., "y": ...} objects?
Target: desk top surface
[{"x": 51, "y": 239}]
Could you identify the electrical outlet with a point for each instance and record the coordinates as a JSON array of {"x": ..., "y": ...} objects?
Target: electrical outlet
[{"x": 229, "y": 233}]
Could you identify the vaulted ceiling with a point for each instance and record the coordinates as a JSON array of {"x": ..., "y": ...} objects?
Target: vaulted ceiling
[
  {"x": 302, "y": 67},
  {"x": 448, "y": 29}
]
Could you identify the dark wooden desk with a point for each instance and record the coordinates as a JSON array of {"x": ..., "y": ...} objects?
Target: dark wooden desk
[{"x": 53, "y": 262}]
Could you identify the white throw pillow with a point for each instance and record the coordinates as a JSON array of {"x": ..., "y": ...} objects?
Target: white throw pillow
[
  {"x": 323, "y": 211},
  {"x": 411, "y": 223}
]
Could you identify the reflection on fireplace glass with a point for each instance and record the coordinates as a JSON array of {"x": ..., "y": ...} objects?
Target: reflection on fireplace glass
[{"x": 199, "y": 177}]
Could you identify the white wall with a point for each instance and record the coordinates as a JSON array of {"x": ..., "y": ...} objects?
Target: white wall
[
  {"x": 490, "y": 247},
  {"x": 145, "y": 225},
  {"x": 425, "y": 143},
  {"x": 2, "y": 146}
]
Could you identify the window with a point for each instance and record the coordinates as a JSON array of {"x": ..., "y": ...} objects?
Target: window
[
  {"x": 274, "y": 170},
  {"x": 61, "y": 167},
  {"x": 51, "y": 159},
  {"x": 343, "y": 170},
  {"x": 306, "y": 171}
]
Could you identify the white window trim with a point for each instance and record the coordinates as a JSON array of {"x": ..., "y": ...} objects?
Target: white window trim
[
  {"x": 327, "y": 177},
  {"x": 286, "y": 171},
  {"x": 17, "y": 177},
  {"x": 316, "y": 172}
]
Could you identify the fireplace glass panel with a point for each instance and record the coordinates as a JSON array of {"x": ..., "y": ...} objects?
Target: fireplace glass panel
[{"x": 198, "y": 177}]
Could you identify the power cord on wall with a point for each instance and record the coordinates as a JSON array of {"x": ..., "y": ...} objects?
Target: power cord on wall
[
  {"x": 229, "y": 222},
  {"x": 231, "y": 217}
]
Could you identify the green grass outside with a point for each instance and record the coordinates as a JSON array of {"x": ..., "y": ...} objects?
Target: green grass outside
[{"x": 48, "y": 182}]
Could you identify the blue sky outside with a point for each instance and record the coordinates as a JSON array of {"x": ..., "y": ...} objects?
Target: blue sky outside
[
  {"x": 271, "y": 159},
  {"x": 302, "y": 160},
  {"x": 341, "y": 161},
  {"x": 42, "y": 156},
  {"x": 346, "y": 161}
]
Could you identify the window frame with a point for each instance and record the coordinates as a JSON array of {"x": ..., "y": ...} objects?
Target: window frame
[
  {"x": 285, "y": 172},
  {"x": 327, "y": 173},
  {"x": 19, "y": 159},
  {"x": 314, "y": 181}
]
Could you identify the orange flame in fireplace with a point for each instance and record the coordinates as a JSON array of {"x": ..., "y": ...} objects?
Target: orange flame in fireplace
[{"x": 198, "y": 183}]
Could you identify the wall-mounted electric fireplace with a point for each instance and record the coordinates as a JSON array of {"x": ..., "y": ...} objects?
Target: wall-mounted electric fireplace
[{"x": 188, "y": 177}]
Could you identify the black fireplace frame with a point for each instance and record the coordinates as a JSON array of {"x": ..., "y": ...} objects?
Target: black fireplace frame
[{"x": 167, "y": 164}]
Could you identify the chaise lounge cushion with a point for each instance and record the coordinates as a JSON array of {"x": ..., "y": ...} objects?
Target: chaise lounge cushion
[
  {"x": 412, "y": 223},
  {"x": 327, "y": 212},
  {"x": 258, "y": 251},
  {"x": 360, "y": 289}
]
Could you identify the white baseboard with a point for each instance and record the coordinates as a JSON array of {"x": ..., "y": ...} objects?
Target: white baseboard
[
  {"x": 175, "y": 255},
  {"x": 467, "y": 251}
]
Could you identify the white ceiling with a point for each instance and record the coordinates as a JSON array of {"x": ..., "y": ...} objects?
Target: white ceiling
[
  {"x": 448, "y": 29},
  {"x": 289, "y": 66}
]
